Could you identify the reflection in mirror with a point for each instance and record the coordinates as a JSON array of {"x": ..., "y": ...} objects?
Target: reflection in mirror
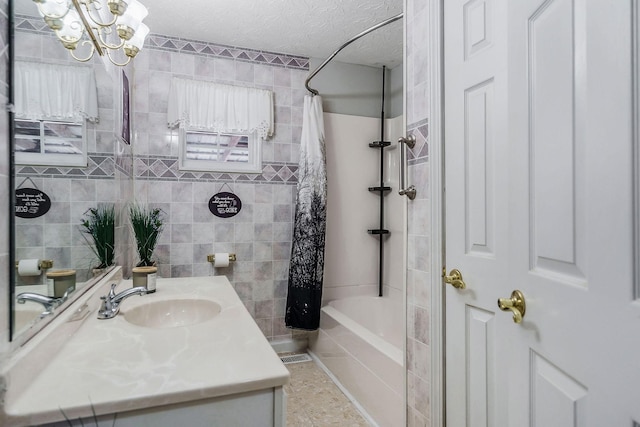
[{"x": 64, "y": 166}]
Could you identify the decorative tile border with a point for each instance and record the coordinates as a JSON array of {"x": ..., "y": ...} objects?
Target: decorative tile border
[
  {"x": 31, "y": 24},
  {"x": 159, "y": 168},
  {"x": 419, "y": 153},
  {"x": 165, "y": 168},
  {"x": 100, "y": 166},
  {"x": 176, "y": 44}
]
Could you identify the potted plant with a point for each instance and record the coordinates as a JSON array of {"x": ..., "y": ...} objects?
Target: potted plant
[
  {"x": 147, "y": 224},
  {"x": 99, "y": 224}
]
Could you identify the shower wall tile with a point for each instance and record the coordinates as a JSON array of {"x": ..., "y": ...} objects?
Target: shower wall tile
[
  {"x": 264, "y": 309},
  {"x": 263, "y": 75},
  {"x": 419, "y": 230},
  {"x": 420, "y": 152},
  {"x": 415, "y": 419},
  {"x": 260, "y": 235}
]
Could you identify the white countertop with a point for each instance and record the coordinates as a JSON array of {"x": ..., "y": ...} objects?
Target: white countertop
[{"x": 117, "y": 366}]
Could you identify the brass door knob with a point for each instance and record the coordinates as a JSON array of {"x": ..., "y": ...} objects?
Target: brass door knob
[
  {"x": 454, "y": 278},
  {"x": 515, "y": 304}
]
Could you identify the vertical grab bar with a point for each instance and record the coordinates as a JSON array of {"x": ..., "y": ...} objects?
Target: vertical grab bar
[{"x": 410, "y": 191}]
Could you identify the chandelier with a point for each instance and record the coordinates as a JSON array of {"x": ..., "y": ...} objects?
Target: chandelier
[{"x": 110, "y": 27}]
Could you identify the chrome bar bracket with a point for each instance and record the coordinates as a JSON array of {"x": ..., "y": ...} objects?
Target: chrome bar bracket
[{"x": 410, "y": 191}]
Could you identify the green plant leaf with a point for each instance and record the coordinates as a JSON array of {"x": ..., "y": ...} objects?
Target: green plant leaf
[
  {"x": 147, "y": 224},
  {"x": 99, "y": 224}
]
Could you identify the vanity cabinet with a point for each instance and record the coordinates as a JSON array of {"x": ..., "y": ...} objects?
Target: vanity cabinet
[{"x": 263, "y": 408}]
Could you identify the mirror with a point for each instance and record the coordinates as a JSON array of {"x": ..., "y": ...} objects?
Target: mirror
[{"x": 54, "y": 194}]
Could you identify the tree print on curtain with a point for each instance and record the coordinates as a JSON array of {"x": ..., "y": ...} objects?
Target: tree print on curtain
[{"x": 306, "y": 267}]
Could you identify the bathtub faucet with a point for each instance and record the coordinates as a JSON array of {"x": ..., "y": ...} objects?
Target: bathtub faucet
[{"x": 111, "y": 302}]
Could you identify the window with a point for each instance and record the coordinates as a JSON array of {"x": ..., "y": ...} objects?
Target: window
[
  {"x": 220, "y": 126},
  {"x": 220, "y": 151},
  {"x": 49, "y": 142},
  {"x": 53, "y": 105}
]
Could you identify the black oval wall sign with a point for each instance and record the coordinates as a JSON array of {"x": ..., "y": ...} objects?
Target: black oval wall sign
[
  {"x": 225, "y": 205},
  {"x": 31, "y": 203}
]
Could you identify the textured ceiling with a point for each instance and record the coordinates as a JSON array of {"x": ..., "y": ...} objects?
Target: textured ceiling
[{"x": 302, "y": 27}]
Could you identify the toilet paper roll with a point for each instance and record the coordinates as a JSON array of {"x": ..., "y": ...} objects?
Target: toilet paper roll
[
  {"x": 221, "y": 260},
  {"x": 29, "y": 267}
]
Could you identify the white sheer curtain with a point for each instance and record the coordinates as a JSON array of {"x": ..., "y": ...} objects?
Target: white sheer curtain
[
  {"x": 220, "y": 108},
  {"x": 59, "y": 92}
]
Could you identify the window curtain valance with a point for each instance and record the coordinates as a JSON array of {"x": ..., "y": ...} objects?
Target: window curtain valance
[
  {"x": 54, "y": 92},
  {"x": 220, "y": 108}
]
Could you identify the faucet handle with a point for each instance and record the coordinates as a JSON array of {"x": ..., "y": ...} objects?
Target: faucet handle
[
  {"x": 105, "y": 307},
  {"x": 112, "y": 292},
  {"x": 108, "y": 299}
]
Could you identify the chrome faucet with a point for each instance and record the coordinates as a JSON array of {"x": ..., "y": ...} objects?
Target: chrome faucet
[
  {"x": 49, "y": 303},
  {"x": 111, "y": 302}
]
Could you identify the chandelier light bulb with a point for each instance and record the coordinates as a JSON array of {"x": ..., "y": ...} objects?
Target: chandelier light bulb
[
  {"x": 117, "y": 7},
  {"x": 53, "y": 11},
  {"x": 53, "y": 8},
  {"x": 133, "y": 15},
  {"x": 134, "y": 45}
]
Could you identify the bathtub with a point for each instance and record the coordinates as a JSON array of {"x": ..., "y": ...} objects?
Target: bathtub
[{"x": 360, "y": 344}]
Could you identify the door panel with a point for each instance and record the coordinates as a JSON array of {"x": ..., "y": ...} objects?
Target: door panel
[
  {"x": 555, "y": 159},
  {"x": 475, "y": 88},
  {"x": 556, "y": 398},
  {"x": 480, "y": 359},
  {"x": 477, "y": 26},
  {"x": 577, "y": 214},
  {"x": 478, "y": 155},
  {"x": 539, "y": 172}
]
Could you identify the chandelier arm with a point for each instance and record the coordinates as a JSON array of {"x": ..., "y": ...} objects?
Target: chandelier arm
[
  {"x": 118, "y": 64},
  {"x": 104, "y": 43},
  {"x": 93, "y": 49},
  {"x": 96, "y": 21},
  {"x": 88, "y": 30}
]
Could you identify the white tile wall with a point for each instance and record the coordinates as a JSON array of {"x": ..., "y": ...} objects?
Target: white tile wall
[
  {"x": 260, "y": 234},
  {"x": 418, "y": 280}
]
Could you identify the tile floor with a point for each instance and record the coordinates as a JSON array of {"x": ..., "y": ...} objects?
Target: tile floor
[{"x": 313, "y": 400}]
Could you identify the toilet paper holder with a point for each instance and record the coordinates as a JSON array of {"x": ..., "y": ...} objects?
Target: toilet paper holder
[
  {"x": 212, "y": 257},
  {"x": 45, "y": 264}
]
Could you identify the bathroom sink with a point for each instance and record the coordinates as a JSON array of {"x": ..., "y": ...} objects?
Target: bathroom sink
[{"x": 172, "y": 313}]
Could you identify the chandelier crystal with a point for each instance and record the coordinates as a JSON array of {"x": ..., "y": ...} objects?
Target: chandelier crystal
[{"x": 113, "y": 28}]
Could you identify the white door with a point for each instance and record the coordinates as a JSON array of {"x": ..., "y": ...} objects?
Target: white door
[{"x": 539, "y": 197}]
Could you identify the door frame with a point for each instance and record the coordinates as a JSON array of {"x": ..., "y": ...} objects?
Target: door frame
[{"x": 437, "y": 209}]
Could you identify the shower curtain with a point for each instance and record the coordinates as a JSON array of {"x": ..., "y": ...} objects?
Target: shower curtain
[{"x": 307, "y": 249}]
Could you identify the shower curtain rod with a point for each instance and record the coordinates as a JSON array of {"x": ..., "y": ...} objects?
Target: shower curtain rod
[{"x": 364, "y": 33}]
